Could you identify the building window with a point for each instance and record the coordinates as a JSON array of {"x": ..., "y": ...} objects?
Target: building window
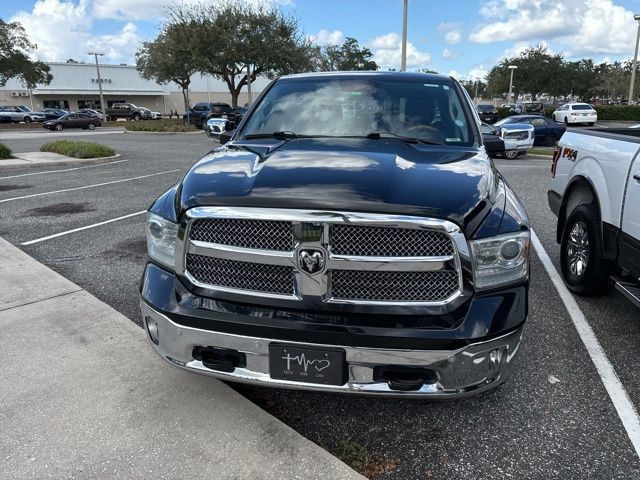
[
  {"x": 64, "y": 104},
  {"x": 93, "y": 104}
]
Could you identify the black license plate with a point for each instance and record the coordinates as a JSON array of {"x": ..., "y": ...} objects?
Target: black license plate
[{"x": 305, "y": 364}]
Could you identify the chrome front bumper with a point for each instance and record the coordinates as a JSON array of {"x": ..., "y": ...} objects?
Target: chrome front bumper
[{"x": 472, "y": 369}]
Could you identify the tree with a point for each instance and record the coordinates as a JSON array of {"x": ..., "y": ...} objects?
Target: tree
[
  {"x": 15, "y": 48},
  {"x": 473, "y": 86},
  {"x": 235, "y": 36},
  {"x": 538, "y": 72},
  {"x": 171, "y": 57},
  {"x": 348, "y": 56}
]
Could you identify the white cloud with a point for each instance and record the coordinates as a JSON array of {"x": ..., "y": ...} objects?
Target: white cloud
[
  {"x": 582, "y": 27},
  {"x": 387, "y": 52},
  {"x": 119, "y": 47},
  {"x": 449, "y": 54},
  {"x": 62, "y": 30},
  {"x": 453, "y": 37},
  {"x": 152, "y": 9},
  {"x": 59, "y": 28},
  {"x": 325, "y": 37},
  {"x": 477, "y": 73},
  {"x": 128, "y": 9}
]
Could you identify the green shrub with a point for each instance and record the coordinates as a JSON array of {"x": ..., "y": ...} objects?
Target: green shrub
[
  {"x": 618, "y": 112},
  {"x": 77, "y": 149},
  {"x": 548, "y": 111},
  {"x": 5, "y": 152},
  {"x": 163, "y": 125}
]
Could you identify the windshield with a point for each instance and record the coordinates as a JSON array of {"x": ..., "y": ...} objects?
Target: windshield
[{"x": 426, "y": 110}]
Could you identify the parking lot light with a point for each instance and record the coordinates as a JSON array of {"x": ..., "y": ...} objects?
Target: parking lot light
[
  {"x": 103, "y": 107},
  {"x": 512, "y": 68},
  {"x": 635, "y": 60}
]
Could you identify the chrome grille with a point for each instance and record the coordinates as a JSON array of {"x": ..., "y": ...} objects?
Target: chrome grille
[
  {"x": 394, "y": 286},
  {"x": 250, "y": 254},
  {"x": 257, "y": 277},
  {"x": 372, "y": 241},
  {"x": 261, "y": 234}
]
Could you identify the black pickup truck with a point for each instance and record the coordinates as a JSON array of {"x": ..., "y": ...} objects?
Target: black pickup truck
[
  {"x": 351, "y": 235},
  {"x": 128, "y": 111},
  {"x": 203, "y": 111}
]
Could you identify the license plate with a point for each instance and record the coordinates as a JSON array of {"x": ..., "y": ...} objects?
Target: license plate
[{"x": 307, "y": 364}]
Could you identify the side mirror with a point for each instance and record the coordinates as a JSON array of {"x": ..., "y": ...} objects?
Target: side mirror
[{"x": 226, "y": 136}]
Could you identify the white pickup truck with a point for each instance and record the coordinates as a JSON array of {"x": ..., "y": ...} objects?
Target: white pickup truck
[{"x": 595, "y": 193}]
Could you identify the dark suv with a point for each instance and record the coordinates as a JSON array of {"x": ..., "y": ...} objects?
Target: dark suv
[
  {"x": 488, "y": 113},
  {"x": 201, "y": 112}
]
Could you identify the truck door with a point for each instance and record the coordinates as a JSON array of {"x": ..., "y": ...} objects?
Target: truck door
[{"x": 630, "y": 237}]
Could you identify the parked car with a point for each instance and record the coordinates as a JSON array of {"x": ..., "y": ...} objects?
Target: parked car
[
  {"x": 547, "y": 131},
  {"x": 201, "y": 112},
  {"x": 128, "y": 111},
  {"x": 22, "y": 114},
  {"x": 353, "y": 236},
  {"x": 525, "y": 108},
  {"x": 510, "y": 106},
  {"x": 215, "y": 127},
  {"x": 152, "y": 115},
  {"x": 595, "y": 193},
  {"x": 510, "y": 141},
  {"x": 53, "y": 113},
  {"x": 488, "y": 113},
  {"x": 91, "y": 112},
  {"x": 73, "y": 120},
  {"x": 5, "y": 118},
  {"x": 572, "y": 113}
]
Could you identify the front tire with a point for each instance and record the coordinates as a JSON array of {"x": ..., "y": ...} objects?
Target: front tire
[
  {"x": 584, "y": 270},
  {"x": 28, "y": 120},
  {"x": 566, "y": 122},
  {"x": 136, "y": 118},
  {"x": 59, "y": 127},
  {"x": 511, "y": 154},
  {"x": 91, "y": 126}
]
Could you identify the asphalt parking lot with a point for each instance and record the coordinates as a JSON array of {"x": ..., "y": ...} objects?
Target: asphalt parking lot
[{"x": 553, "y": 419}]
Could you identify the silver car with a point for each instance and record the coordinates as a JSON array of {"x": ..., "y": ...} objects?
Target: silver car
[{"x": 22, "y": 114}]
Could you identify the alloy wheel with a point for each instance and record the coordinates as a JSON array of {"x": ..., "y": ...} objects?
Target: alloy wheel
[{"x": 578, "y": 249}]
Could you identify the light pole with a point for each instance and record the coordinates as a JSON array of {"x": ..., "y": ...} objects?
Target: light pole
[
  {"x": 512, "y": 68},
  {"x": 403, "y": 61},
  {"x": 102, "y": 104},
  {"x": 635, "y": 60},
  {"x": 475, "y": 97}
]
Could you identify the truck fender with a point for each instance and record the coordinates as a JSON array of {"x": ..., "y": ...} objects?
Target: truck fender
[{"x": 581, "y": 191}]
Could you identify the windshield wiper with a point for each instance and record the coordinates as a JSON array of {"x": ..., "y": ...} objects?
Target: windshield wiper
[
  {"x": 379, "y": 135},
  {"x": 280, "y": 135}
]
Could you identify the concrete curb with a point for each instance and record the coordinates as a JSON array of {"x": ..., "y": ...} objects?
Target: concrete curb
[
  {"x": 83, "y": 396},
  {"x": 163, "y": 133},
  {"x": 18, "y": 162}
]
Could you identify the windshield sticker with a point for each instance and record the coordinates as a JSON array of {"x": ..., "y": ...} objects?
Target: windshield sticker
[
  {"x": 452, "y": 139},
  {"x": 434, "y": 85}
]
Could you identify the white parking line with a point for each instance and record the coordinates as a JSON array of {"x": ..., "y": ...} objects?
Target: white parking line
[
  {"x": 62, "y": 170},
  {"x": 88, "y": 186},
  {"x": 56, "y": 235},
  {"x": 623, "y": 405}
]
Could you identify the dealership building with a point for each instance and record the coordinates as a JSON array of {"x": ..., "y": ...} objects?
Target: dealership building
[{"x": 75, "y": 85}]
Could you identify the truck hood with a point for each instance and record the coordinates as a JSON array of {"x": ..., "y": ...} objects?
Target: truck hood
[{"x": 377, "y": 176}]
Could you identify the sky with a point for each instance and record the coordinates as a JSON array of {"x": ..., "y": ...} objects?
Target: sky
[{"x": 463, "y": 38}]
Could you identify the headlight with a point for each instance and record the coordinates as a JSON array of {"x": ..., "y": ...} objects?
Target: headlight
[
  {"x": 161, "y": 239},
  {"x": 500, "y": 260}
]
